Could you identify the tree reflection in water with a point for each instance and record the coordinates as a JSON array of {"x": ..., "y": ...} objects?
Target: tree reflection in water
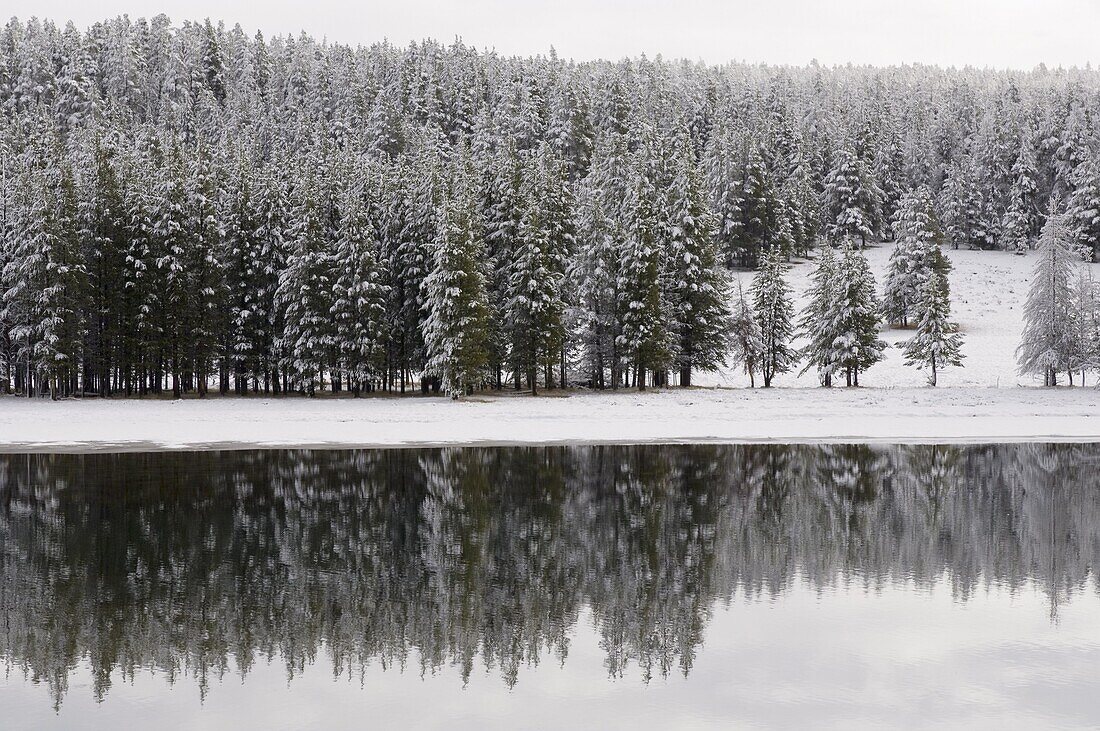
[{"x": 195, "y": 563}]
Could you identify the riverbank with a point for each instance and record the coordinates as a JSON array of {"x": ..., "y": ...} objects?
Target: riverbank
[{"x": 896, "y": 415}]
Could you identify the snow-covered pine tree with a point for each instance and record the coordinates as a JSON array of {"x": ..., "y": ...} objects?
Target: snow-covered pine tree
[
  {"x": 1086, "y": 324},
  {"x": 570, "y": 131},
  {"x": 887, "y": 169},
  {"x": 502, "y": 212},
  {"x": 144, "y": 291},
  {"x": 271, "y": 214},
  {"x": 204, "y": 229},
  {"x": 916, "y": 236},
  {"x": 559, "y": 217},
  {"x": 803, "y": 209},
  {"x": 594, "y": 274},
  {"x": 1047, "y": 346},
  {"x": 774, "y": 315},
  {"x": 1072, "y": 148},
  {"x": 359, "y": 294},
  {"x": 645, "y": 340},
  {"x": 1020, "y": 223},
  {"x": 746, "y": 340},
  {"x": 305, "y": 291},
  {"x": 723, "y": 183},
  {"x": 764, "y": 220},
  {"x": 937, "y": 342},
  {"x": 169, "y": 251},
  {"x": 385, "y": 126},
  {"x": 696, "y": 286},
  {"x": 243, "y": 261},
  {"x": 853, "y": 201},
  {"x": 857, "y": 311},
  {"x": 534, "y": 307},
  {"x": 44, "y": 277},
  {"x": 411, "y": 199},
  {"x": 819, "y": 323},
  {"x": 1083, "y": 207},
  {"x": 455, "y": 297},
  {"x": 103, "y": 231},
  {"x": 966, "y": 210}
]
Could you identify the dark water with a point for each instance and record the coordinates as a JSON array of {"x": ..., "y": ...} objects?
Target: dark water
[{"x": 579, "y": 587}]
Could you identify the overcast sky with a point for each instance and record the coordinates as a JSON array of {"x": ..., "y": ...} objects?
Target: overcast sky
[{"x": 998, "y": 33}]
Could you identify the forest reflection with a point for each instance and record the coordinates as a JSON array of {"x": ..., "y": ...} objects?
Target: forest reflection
[{"x": 203, "y": 563}]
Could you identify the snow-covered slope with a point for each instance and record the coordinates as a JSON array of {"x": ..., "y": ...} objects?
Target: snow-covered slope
[{"x": 988, "y": 289}]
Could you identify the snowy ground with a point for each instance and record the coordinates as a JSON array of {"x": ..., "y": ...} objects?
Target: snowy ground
[
  {"x": 988, "y": 289},
  {"x": 985, "y": 401},
  {"x": 838, "y": 415}
]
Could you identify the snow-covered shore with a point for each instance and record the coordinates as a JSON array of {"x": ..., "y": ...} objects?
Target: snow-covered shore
[{"x": 693, "y": 415}]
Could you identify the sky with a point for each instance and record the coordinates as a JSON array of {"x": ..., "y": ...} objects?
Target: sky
[{"x": 987, "y": 33}]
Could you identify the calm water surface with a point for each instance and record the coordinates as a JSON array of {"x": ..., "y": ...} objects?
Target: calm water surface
[{"x": 578, "y": 587}]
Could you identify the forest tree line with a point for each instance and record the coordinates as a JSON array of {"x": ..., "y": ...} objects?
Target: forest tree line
[{"x": 192, "y": 207}]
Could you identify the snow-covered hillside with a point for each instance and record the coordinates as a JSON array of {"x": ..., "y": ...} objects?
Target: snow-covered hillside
[{"x": 988, "y": 289}]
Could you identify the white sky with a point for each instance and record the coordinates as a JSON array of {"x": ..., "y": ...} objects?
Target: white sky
[{"x": 998, "y": 33}]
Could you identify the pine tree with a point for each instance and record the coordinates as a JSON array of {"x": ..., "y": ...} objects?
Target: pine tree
[
  {"x": 244, "y": 263},
  {"x": 103, "y": 231},
  {"x": 937, "y": 341},
  {"x": 534, "y": 306},
  {"x": 764, "y": 221},
  {"x": 819, "y": 323},
  {"x": 1021, "y": 218},
  {"x": 559, "y": 218},
  {"x": 602, "y": 231},
  {"x": 1086, "y": 321},
  {"x": 917, "y": 236},
  {"x": 774, "y": 314},
  {"x": 1083, "y": 207},
  {"x": 359, "y": 294},
  {"x": 696, "y": 286},
  {"x": 168, "y": 247},
  {"x": 502, "y": 214},
  {"x": 644, "y": 341},
  {"x": 305, "y": 291},
  {"x": 853, "y": 201},
  {"x": 44, "y": 277},
  {"x": 858, "y": 346},
  {"x": 202, "y": 246},
  {"x": 411, "y": 201},
  {"x": 725, "y": 189},
  {"x": 271, "y": 214},
  {"x": 967, "y": 211},
  {"x": 746, "y": 340},
  {"x": 1047, "y": 343},
  {"x": 455, "y": 298}
]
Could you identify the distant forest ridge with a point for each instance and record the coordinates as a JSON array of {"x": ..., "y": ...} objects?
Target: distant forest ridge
[{"x": 186, "y": 207}]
